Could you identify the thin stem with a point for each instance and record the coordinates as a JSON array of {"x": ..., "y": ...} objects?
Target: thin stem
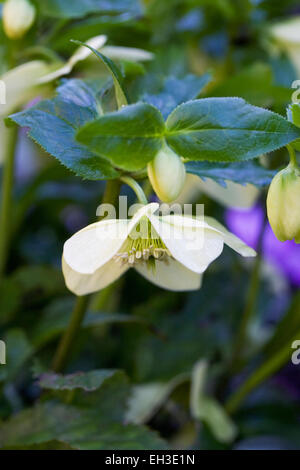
[
  {"x": 136, "y": 188},
  {"x": 247, "y": 315},
  {"x": 77, "y": 317},
  {"x": 293, "y": 158},
  {"x": 6, "y": 199},
  {"x": 112, "y": 192},
  {"x": 241, "y": 336},
  {"x": 266, "y": 370},
  {"x": 62, "y": 353}
]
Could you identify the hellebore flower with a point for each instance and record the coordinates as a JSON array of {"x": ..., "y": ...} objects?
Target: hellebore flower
[
  {"x": 167, "y": 174},
  {"x": 283, "y": 204},
  {"x": 171, "y": 251},
  {"x": 233, "y": 195},
  {"x": 18, "y": 17},
  {"x": 286, "y": 35}
]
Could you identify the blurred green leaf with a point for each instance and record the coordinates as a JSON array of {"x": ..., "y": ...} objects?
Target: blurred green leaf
[
  {"x": 248, "y": 172},
  {"x": 207, "y": 409},
  {"x": 94, "y": 421},
  {"x": 53, "y": 124},
  {"x": 174, "y": 91},
  {"x": 18, "y": 351},
  {"x": 79, "y": 8},
  {"x": 88, "y": 381},
  {"x": 255, "y": 85}
]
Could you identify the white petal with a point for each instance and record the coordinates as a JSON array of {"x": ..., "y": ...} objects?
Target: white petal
[
  {"x": 189, "y": 240},
  {"x": 21, "y": 84},
  {"x": 130, "y": 54},
  {"x": 79, "y": 55},
  {"x": 92, "y": 247},
  {"x": 172, "y": 276},
  {"x": 230, "y": 239},
  {"x": 233, "y": 195},
  {"x": 83, "y": 284}
]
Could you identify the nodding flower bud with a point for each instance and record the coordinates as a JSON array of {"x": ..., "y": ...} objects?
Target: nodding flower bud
[
  {"x": 18, "y": 17},
  {"x": 283, "y": 204},
  {"x": 167, "y": 174}
]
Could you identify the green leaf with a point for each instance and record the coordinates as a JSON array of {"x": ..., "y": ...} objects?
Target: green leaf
[
  {"x": 226, "y": 129},
  {"x": 95, "y": 420},
  {"x": 209, "y": 410},
  {"x": 255, "y": 85},
  {"x": 18, "y": 351},
  {"x": 130, "y": 137},
  {"x": 115, "y": 72},
  {"x": 56, "y": 318},
  {"x": 248, "y": 172},
  {"x": 53, "y": 124},
  {"x": 174, "y": 91},
  {"x": 79, "y": 8},
  {"x": 89, "y": 381}
]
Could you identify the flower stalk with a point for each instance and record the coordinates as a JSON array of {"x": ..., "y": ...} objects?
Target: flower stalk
[
  {"x": 6, "y": 197},
  {"x": 63, "y": 351}
]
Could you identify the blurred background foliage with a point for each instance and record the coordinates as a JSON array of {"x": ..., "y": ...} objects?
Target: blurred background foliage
[{"x": 157, "y": 369}]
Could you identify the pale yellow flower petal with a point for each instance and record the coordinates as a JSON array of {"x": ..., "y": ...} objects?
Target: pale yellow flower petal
[
  {"x": 83, "y": 284},
  {"x": 79, "y": 55},
  {"x": 191, "y": 242},
  {"x": 233, "y": 195},
  {"x": 230, "y": 239},
  {"x": 21, "y": 84},
  {"x": 130, "y": 54},
  {"x": 172, "y": 276},
  {"x": 92, "y": 247}
]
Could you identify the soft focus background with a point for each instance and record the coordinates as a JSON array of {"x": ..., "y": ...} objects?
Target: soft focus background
[{"x": 175, "y": 371}]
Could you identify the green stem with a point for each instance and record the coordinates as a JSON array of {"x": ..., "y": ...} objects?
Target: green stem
[
  {"x": 241, "y": 336},
  {"x": 61, "y": 356},
  {"x": 293, "y": 158},
  {"x": 62, "y": 353},
  {"x": 112, "y": 192},
  {"x": 6, "y": 199},
  {"x": 136, "y": 188},
  {"x": 266, "y": 370}
]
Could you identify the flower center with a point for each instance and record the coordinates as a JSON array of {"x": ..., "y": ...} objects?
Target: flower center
[{"x": 143, "y": 248}]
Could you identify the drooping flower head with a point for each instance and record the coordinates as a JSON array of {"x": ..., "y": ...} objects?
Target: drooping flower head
[{"x": 171, "y": 251}]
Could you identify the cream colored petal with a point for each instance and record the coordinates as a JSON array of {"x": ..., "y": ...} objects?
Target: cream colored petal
[
  {"x": 233, "y": 195},
  {"x": 130, "y": 54},
  {"x": 191, "y": 242},
  {"x": 3, "y": 139},
  {"x": 230, "y": 239},
  {"x": 92, "y": 247},
  {"x": 287, "y": 31},
  {"x": 83, "y": 284},
  {"x": 21, "y": 84},
  {"x": 80, "y": 54},
  {"x": 172, "y": 276}
]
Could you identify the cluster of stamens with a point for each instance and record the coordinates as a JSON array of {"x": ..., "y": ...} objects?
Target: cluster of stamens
[{"x": 140, "y": 250}]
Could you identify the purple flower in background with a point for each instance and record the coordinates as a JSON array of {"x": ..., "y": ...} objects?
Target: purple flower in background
[{"x": 247, "y": 224}]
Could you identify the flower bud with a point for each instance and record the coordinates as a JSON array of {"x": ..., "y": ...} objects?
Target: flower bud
[
  {"x": 167, "y": 174},
  {"x": 283, "y": 204},
  {"x": 18, "y": 17}
]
